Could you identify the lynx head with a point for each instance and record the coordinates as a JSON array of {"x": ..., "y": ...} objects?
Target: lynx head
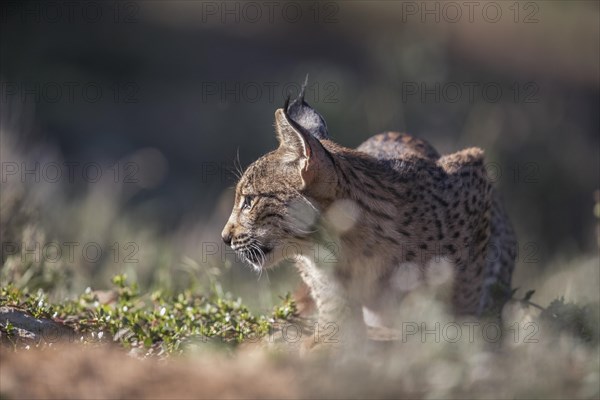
[{"x": 279, "y": 197}]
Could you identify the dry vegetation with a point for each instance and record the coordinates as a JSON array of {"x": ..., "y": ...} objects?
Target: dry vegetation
[{"x": 552, "y": 361}]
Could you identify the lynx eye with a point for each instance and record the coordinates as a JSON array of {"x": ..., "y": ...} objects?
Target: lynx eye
[{"x": 247, "y": 203}]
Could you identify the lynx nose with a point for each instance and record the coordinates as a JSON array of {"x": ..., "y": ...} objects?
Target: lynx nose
[{"x": 226, "y": 236}]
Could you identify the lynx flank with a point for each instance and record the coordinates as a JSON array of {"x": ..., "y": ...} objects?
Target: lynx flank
[{"x": 358, "y": 222}]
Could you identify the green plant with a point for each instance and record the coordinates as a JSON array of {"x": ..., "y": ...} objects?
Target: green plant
[{"x": 155, "y": 324}]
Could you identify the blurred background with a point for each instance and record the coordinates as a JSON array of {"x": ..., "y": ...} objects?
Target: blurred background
[{"x": 122, "y": 124}]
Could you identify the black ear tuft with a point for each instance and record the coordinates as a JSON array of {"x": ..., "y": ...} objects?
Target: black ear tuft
[{"x": 305, "y": 116}]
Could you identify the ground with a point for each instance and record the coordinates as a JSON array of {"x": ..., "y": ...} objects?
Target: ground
[{"x": 123, "y": 344}]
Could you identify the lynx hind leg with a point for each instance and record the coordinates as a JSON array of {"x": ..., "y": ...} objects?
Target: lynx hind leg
[
  {"x": 470, "y": 193},
  {"x": 466, "y": 159},
  {"x": 393, "y": 145},
  {"x": 500, "y": 263},
  {"x": 494, "y": 230}
]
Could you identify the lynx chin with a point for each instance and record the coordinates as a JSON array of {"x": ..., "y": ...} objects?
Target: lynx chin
[{"x": 365, "y": 225}]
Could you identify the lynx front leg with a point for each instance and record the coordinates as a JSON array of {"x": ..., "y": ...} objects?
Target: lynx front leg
[{"x": 339, "y": 321}]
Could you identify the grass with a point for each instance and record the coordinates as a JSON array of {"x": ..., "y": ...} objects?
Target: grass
[
  {"x": 150, "y": 324},
  {"x": 561, "y": 361}
]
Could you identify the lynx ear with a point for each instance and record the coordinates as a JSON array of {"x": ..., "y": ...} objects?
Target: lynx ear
[
  {"x": 307, "y": 117},
  {"x": 293, "y": 140},
  {"x": 297, "y": 145}
]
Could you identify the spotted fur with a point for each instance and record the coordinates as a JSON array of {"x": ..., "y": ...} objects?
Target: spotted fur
[{"x": 356, "y": 221}]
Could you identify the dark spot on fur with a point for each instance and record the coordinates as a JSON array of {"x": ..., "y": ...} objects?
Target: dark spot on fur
[{"x": 450, "y": 248}]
